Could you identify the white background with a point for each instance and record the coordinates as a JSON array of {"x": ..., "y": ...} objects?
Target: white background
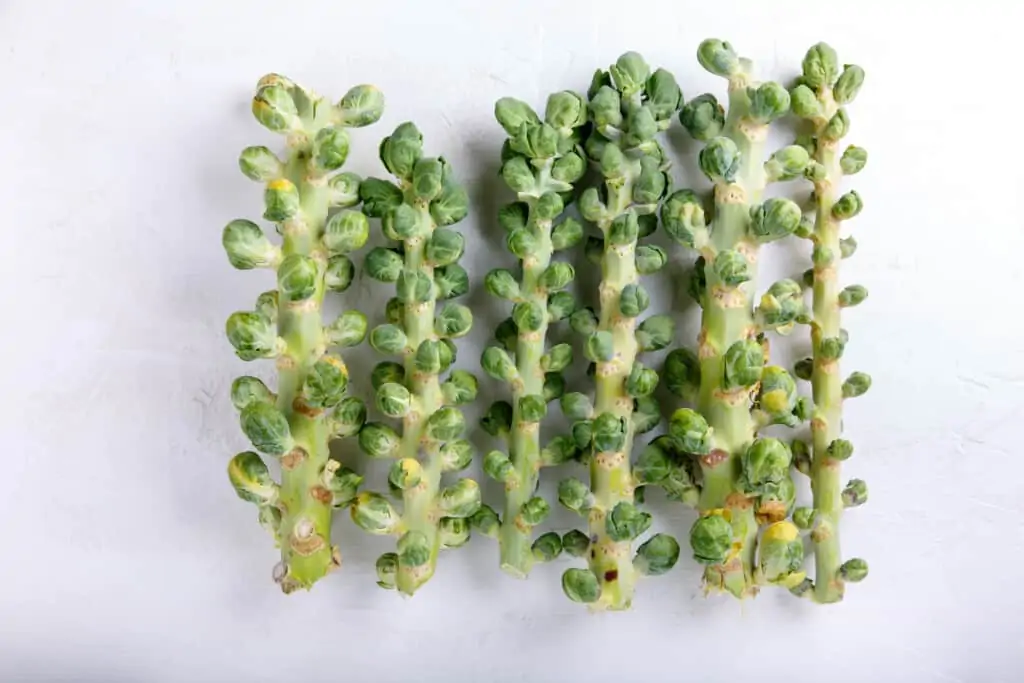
[{"x": 126, "y": 555}]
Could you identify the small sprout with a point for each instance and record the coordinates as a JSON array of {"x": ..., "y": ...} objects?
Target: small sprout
[
  {"x": 847, "y": 246},
  {"x": 405, "y": 473},
  {"x": 646, "y": 414},
  {"x": 498, "y": 467},
  {"x": 456, "y": 455},
  {"x": 260, "y": 164},
  {"x": 609, "y": 433},
  {"x": 251, "y": 479},
  {"x": 854, "y": 570},
  {"x": 267, "y": 428},
  {"x": 682, "y": 372},
  {"x": 580, "y": 585},
  {"x": 584, "y": 321},
  {"x": 577, "y": 406},
  {"x": 624, "y": 229},
  {"x": 373, "y": 513},
  {"x": 633, "y": 300},
  {"x": 339, "y": 274},
  {"x": 247, "y": 247},
  {"x": 344, "y": 189},
  {"x": 453, "y": 531},
  {"x": 326, "y": 383},
  {"x": 497, "y": 363},
  {"x": 517, "y": 175},
  {"x": 655, "y": 333},
  {"x": 839, "y": 449},
  {"x": 787, "y": 163},
  {"x": 654, "y": 464},
  {"x": 549, "y": 206},
  {"x": 394, "y": 400},
  {"x": 547, "y": 547},
  {"x": 805, "y": 103},
  {"x": 514, "y": 216},
  {"x": 853, "y": 160},
  {"x": 561, "y": 305},
  {"x": 781, "y": 555},
  {"x": 703, "y": 117},
  {"x": 690, "y": 431},
  {"x": 566, "y": 234},
  {"x": 400, "y": 151},
  {"x": 774, "y": 219},
  {"x": 560, "y": 449},
  {"x": 820, "y": 66},
  {"x": 855, "y": 493},
  {"x": 281, "y": 200},
  {"x": 641, "y": 381},
  {"x": 497, "y": 421},
  {"x": 461, "y": 499},
  {"x": 387, "y": 371},
  {"x": 558, "y": 358},
  {"x": 831, "y": 348},
  {"x": 450, "y": 281},
  {"x": 744, "y": 362},
  {"x": 718, "y": 57},
  {"x": 522, "y": 243},
  {"x": 657, "y": 555},
  {"x": 460, "y": 388},
  {"x": 801, "y": 456},
  {"x": 778, "y": 394},
  {"x": 720, "y": 160},
  {"x": 534, "y": 511},
  {"x": 593, "y": 249},
  {"x": 445, "y": 424},
  {"x": 532, "y": 408},
  {"x": 486, "y": 521},
  {"x": 576, "y": 543},
  {"x": 837, "y": 127},
  {"x": 379, "y": 440},
  {"x": 783, "y": 304},
  {"x": 711, "y": 539},
  {"x": 731, "y": 267},
  {"x": 857, "y": 384},
  {"x": 348, "y": 329},
  {"x": 650, "y": 259},
  {"x": 387, "y": 570},
  {"x": 768, "y": 101},
  {"x": 682, "y": 214},
  {"x": 454, "y": 321},
  {"x": 600, "y": 347},
  {"x": 413, "y": 549},
  {"x": 512, "y": 114},
  {"x": 388, "y": 339},
  {"x": 379, "y": 197},
  {"x": 849, "y": 83},
  {"x": 764, "y": 463},
  {"x": 330, "y": 148},
  {"x": 348, "y": 417},
  {"x": 822, "y": 256},
  {"x": 575, "y": 495},
  {"x": 246, "y": 390},
  {"x": 274, "y": 108},
  {"x": 361, "y": 106},
  {"x": 557, "y": 276}
]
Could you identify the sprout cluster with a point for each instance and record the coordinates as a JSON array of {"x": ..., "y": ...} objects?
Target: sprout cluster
[
  {"x": 418, "y": 387},
  {"x": 312, "y": 202}
]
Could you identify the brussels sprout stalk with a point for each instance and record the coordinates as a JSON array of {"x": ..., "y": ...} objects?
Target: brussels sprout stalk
[
  {"x": 422, "y": 264},
  {"x": 822, "y": 94},
  {"x": 541, "y": 160},
  {"x": 310, "y": 407}
]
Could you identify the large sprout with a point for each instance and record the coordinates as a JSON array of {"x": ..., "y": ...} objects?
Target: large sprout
[
  {"x": 313, "y": 205},
  {"x": 418, "y": 389}
]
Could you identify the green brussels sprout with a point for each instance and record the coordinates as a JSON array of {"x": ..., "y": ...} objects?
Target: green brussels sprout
[
  {"x": 281, "y": 200},
  {"x": 247, "y": 247},
  {"x": 454, "y": 321},
  {"x": 581, "y": 585},
  {"x": 259, "y": 163},
  {"x": 663, "y": 94},
  {"x": 768, "y": 101},
  {"x": 657, "y": 555},
  {"x": 787, "y": 163},
  {"x": 720, "y": 159},
  {"x": 781, "y": 554},
  {"x": 575, "y": 495},
  {"x": 431, "y": 357},
  {"x": 247, "y": 389},
  {"x": 629, "y": 73},
  {"x": 453, "y": 531},
  {"x": 822, "y": 256},
  {"x": 387, "y": 570},
  {"x": 801, "y": 456},
  {"x": 559, "y": 450},
  {"x": 558, "y": 275},
  {"x": 606, "y": 108},
  {"x": 778, "y": 391},
  {"x": 837, "y": 127},
  {"x": 703, "y": 117},
  {"x": 373, "y": 513},
  {"x": 774, "y": 218},
  {"x": 646, "y": 414},
  {"x": 379, "y": 197},
  {"x": 348, "y": 417},
  {"x": 512, "y": 114},
  {"x": 532, "y": 408},
  {"x": 427, "y": 178},
  {"x": 650, "y": 259},
  {"x": 565, "y": 110},
  {"x": 403, "y": 223},
  {"x": 361, "y": 106},
  {"x": 297, "y": 276},
  {"x": 388, "y": 339},
  {"x": 507, "y": 334},
  {"x": 820, "y": 66},
  {"x": 576, "y": 406},
  {"x": 854, "y": 570},
  {"x": 805, "y": 518},
  {"x": 534, "y": 511},
  {"x": 330, "y": 148},
  {"x": 497, "y": 420},
  {"x": 683, "y": 217},
  {"x": 584, "y": 321},
  {"x": 275, "y": 109},
  {"x": 400, "y": 151},
  {"x": 547, "y": 547},
  {"x": 633, "y": 300},
  {"x": 852, "y": 295},
  {"x": 549, "y": 206},
  {"x": 641, "y": 126},
  {"x": 450, "y": 281},
  {"x": 583, "y": 433},
  {"x": 348, "y": 329},
  {"x": 460, "y": 388},
  {"x": 485, "y": 520},
  {"x": 576, "y": 543},
  {"x": 514, "y": 216},
  {"x": 498, "y": 467},
  {"x": 593, "y": 249},
  {"x": 855, "y": 493},
  {"x": 831, "y": 348},
  {"x": 251, "y": 479},
  {"x": 839, "y": 449},
  {"x": 783, "y": 304},
  {"x": 522, "y": 243},
  {"x": 697, "y": 284},
  {"x": 655, "y": 333},
  {"x": 624, "y": 229},
  {"x": 856, "y": 385},
  {"x": 805, "y": 104},
  {"x": 744, "y": 362},
  {"x": 387, "y": 371},
  {"x": 625, "y": 522},
  {"x": 847, "y": 206},
  {"x": 346, "y": 231},
  {"x": 342, "y": 482},
  {"x": 344, "y": 189},
  {"x": 267, "y": 428},
  {"x": 554, "y": 386},
  {"x": 613, "y": 162},
  {"x": 731, "y": 267},
  {"x": 253, "y": 335},
  {"x": 561, "y": 305},
  {"x": 379, "y": 440},
  {"x": 445, "y": 424},
  {"x": 267, "y": 304},
  {"x": 600, "y": 347},
  {"x": 444, "y": 246},
  {"x": 568, "y": 168},
  {"x": 590, "y": 205},
  {"x": 711, "y": 539},
  {"x": 405, "y": 473},
  {"x": 690, "y": 431},
  {"x": 853, "y": 160},
  {"x": 517, "y": 175},
  {"x": 451, "y": 206},
  {"x": 456, "y": 455},
  {"x": 609, "y": 433},
  {"x": 394, "y": 400},
  {"x": 806, "y": 227},
  {"x": 413, "y": 549},
  {"x": 654, "y": 463},
  {"x": 848, "y": 85},
  {"x": 461, "y": 499},
  {"x": 326, "y": 383},
  {"x": 497, "y": 363},
  {"x": 641, "y": 381},
  {"x": 766, "y": 461},
  {"x": 339, "y": 274},
  {"x": 414, "y": 286},
  {"x": 682, "y": 372},
  {"x": 718, "y": 57}
]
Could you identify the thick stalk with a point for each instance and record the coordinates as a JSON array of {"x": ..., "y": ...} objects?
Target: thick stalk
[
  {"x": 305, "y": 532},
  {"x": 420, "y": 512},
  {"x": 826, "y": 385},
  {"x": 516, "y": 538},
  {"x": 727, "y": 319},
  {"x": 610, "y": 474}
]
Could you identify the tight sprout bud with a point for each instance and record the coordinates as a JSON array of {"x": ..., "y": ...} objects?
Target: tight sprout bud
[
  {"x": 778, "y": 392},
  {"x": 560, "y": 306},
  {"x": 326, "y": 383},
  {"x": 267, "y": 428},
  {"x": 498, "y": 418},
  {"x": 346, "y": 231},
  {"x": 633, "y": 300},
  {"x": 498, "y": 467},
  {"x": 781, "y": 554},
  {"x": 388, "y": 339},
  {"x": 558, "y": 358},
  {"x": 267, "y": 304},
  {"x": 454, "y": 321},
  {"x": 296, "y": 277},
  {"x": 581, "y": 585},
  {"x": 534, "y": 511},
  {"x": 583, "y": 434},
  {"x": 348, "y": 329},
  {"x": 413, "y": 549},
  {"x": 568, "y": 168},
  {"x": 444, "y": 246},
  {"x": 514, "y": 216},
  {"x": 806, "y": 227},
  {"x": 854, "y": 570},
  {"x": 787, "y": 163},
  {"x": 575, "y": 495},
  {"x": 451, "y": 206},
  {"x": 344, "y": 189},
  {"x": 768, "y": 102},
  {"x": 690, "y": 431},
  {"x": 532, "y": 408},
  {"x": 456, "y": 455},
  {"x": 557, "y": 276},
  {"x": 246, "y": 390},
  {"x": 361, "y": 106},
  {"x": 274, "y": 108},
  {"x": 576, "y": 543},
  {"x": 657, "y": 555},
  {"x": 682, "y": 372},
  {"x": 775, "y": 218},
  {"x": 718, "y": 57},
  {"x": 486, "y": 521},
  {"x": 247, "y": 247},
  {"x": 517, "y": 174},
  {"x": 801, "y": 456},
  {"x": 655, "y": 333},
  {"x": 260, "y": 164},
  {"x": 613, "y": 162},
  {"x": 816, "y": 173},
  {"x": 831, "y": 348},
  {"x": 590, "y": 205},
  {"x": 839, "y": 449},
  {"x": 641, "y": 381},
  {"x": 766, "y": 461},
  {"x": 549, "y": 206},
  {"x": 646, "y": 414},
  {"x": 683, "y": 217},
  {"x": 281, "y": 200},
  {"x": 783, "y": 304},
  {"x": 379, "y": 197},
  {"x": 629, "y": 73},
  {"x": 387, "y": 371},
  {"x": 600, "y": 347},
  {"x": 852, "y": 296},
  {"x": 414, "y": 286},
  {"x": 853, "y": 160},
  {"x": 253, "y": 335},
  {"x": 405, "y": 473},
  {"x": 584, "y": 321},
  {"x": 847, "y": 206},
  {"x": 453, "y": 531},
  {"x": 460, "y": 388},
  {"x": 837, "y": 126},
  {"x": 565, "y": 109},
  {"x": 560, "y": 449},
  {"x": 445, "y": 424},
  {"x": 731, "y": 267},
  {"x": 743, "y": 361},
  {"x": 720, "y": 159},
  {"x": 373, "y": 513},
  {"x": 711, "y": 539},
  {"x": 641, "y": 126},
  {"x": 576, "y": 406},
  {"x": 342, "y": 483},
  {"x": 625, "y": 229},
  {"x": 251, "y": 479},
  {"x": 330, "y": 148},
  {"x": 625, "y": 522},
  {"x": 650, "y": 259},
  {"x": 512, "y": 114},
  {"x": 522, "y": 243},
  {"x": 855, "y": 493},
  {"x": 497, "y": 363},
  {"x": 387, "y": 570},
  {"x": 820, "y": 66},
  {"x": 502, "y": 284},
  {"x": 461, "y": 499},
  {"x": 654, "y": 463},
  {"x": 822, "y": 256},
  {"x": 609, "y": 433},
  {"x": 400, "y": 151},
  {"x": 848, "y": 85},
  {"x": 703, "y": 117},
  {"x": 394, "y": 400},
  {"x": 536, "y": 141},
  {"x": 856, "y": 385},
  {"x": 427, "y": 178},
  {"x": 379, "y": 440},
  {"x": 805, "y": 103},
  {"x": 566, "y": 234},
  {"x": 547, "y": 547},
  {"x": 348, "y": 417},
  {"x": 450, "y": 281}
]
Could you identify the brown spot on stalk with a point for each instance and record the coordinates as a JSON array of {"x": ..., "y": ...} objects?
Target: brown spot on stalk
[
  {"x": 713, "y": 459},
  {"x": 824, "y": 273},
  {"x": 754, "y": 131},
  {"x": 521, "y": 525},
  {"x": 739, "y": 501},
  {"x": 770, "y": 512},
  {"x": 300, "y": 406},
  {"x": 821, "y": 533},
  {"x": 611, "y": 575},
  {"x": 285, "y": 362},
  {"x": 606, "y": 369},
  {"x": 828, "y": 366},
  {"x": 307, "y": 546},
  {"x": 293, "y": 458},
  {"x": 303, "y": 306},
  {"x": 528, "y": 427},
  {"x": 730, "y": 193},
  {"x": 530, "y": 336},
  {"x": 321, "y": 494},
  {"x": 818, "y": 424},
  {"x": 749, "y": 251},
  {"x": 729, "y": 297}
]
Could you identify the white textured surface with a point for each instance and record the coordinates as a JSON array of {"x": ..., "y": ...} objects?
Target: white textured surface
[{"x": 127, "y": 556}]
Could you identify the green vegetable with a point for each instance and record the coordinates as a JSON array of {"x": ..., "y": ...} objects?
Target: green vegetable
[
  {"x": 832, "y": 91},
  {"x": 421, "y": 260},
  {"x": 311, "y": 406}
]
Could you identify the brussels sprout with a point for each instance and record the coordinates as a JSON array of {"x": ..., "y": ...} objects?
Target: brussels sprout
[
  {"x": 348, "y": 329},
  {"x": 274, "y": 108},
  {"x": 549, "y": 206},
  {"x": 557, "y": 276},
  {"x": 683, "y": 218},
  {"x": 837, "y": 126},
  {"x": 606, "y": 109},
  {"x": 743, "y": 362},
  {"x": 247, "y": 389},
  {"x": 650, "y": 259},
  {"x": 330, "y": 148},
  {"x": 561, "y": 305},
  {"x": 584, "y": 321},
  {"x": 547, "y": 547},
  {"x": 650, "y": 187},
  {"x": 720, "y": 160},
  {"x": 609, "y": 432},
  {"x": 518, "y": 176},
  {"x": 339, "y": 274},
  {"x": 253, "y": 335},
  {"x": 768, "y": 101},
  {"x": 575, "y": 495},
  {"x": 453, "y": 532},
  {"x": 766, "y": 461},
  {"x": 703, "y": 117},
  {"x": 427, "y": 180},
  {"x": 655, "y": 333},
  {"x": 805, "y": 103},
  {"x": 387, "y": 371},
  {"x": 857, "y": 384},
  {"x": 528, "y": 316},
  {"x": 778, "y": 391},
  {"x": 854, "y": 570},
  {"x": 848, "y": 85},
  {"x": 405, "y": 473},
  {"x": 361, "y": 106},
  {"x": 514, "y": 216},
  {"x": 568, "y": 168},
  {"x": 497, "y": 363},
  {"x": 532, "y": 408},
  {"x": 847, "y": 206},
  {"x": 394, "y": 400},
  {"x": 297, "y": 276},
  {"x": 853, "y": 160},
  {"x": 641, "y": 381},
  {"x": 461, "y": 499},
  {"x": 460, "y": 388},
  {"x": 344, "y": 189},
  {"x": 731, "y": 267},
  {"x": 590, "y": 205},
  {"x": 498, "y": 419},
  {"x": 379, "y": 440},
  {"x": 456, "y": 455},
  {"x": 782, "y": 304},
  {"x": 387, "y": 570},
  {"x": 379, "y": 197},
  {"x": 820, "y": 66},
  {"x": 388, "y": 339},
  {"x": 251, "y": 479},
  {"x": 498, "y": 467},
  {"x": 413, "y": 549},
  {"x": 787, "y": 163},
  {"x": 711, "y": 539},
  {"x": 281, "y": 200},
  {"x": 718, "y": 57},
  {"x": 400, "y": 151},
  {"x": 690, "y": 431},
  {"x": 625, "y": 522},
  {"x": 775, "y": 218},
  {"x": 576, "y": 543},
  {"x": 445, "y": 424},
  {"x": 450, "y": 281},
  {"x": 624, "y": 229},
  {"x": 326, "y": 383},
  {"x": 348, "y": 417},
  {"x": 855, "y": 493},
  {"x": 534, "y": 511},
  {"x": 560, "y": 449},
  {"x": 839, "y": 449},
  {"x": 657, "y": 555},
  {"x": 646, "y": 414},
  {"x": 522, "y": 243},
  {"x": 485, "y": 520},
  {"x": 346, "y": 231},
  {"x": 512, "y": 114},
  {"x": 654, "y": 463},
  {"x": 580, "y": 585},
  {"x": 267, "y": 428},
  {"x": 781, "y": 554},
  {"x": 633, "y": 300},
  {"x": 259, "y": 163},
  {"x": 342, "y": 482},
  {"x": 682, "y": 372},
  {"x": 373, "y": 513},
  {"x": 453, "y": 321},
  {"x": 600, "y": 347}
]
